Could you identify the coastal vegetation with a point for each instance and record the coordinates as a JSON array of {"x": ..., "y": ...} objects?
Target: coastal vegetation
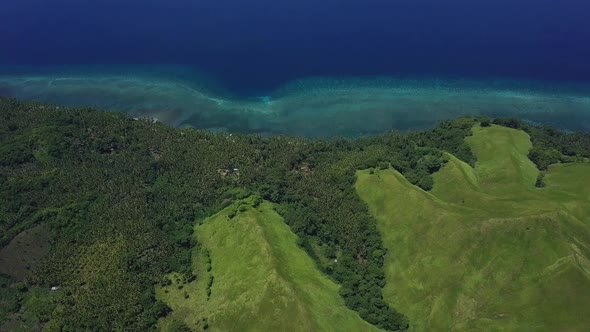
[{"x": 135, "y": 213}]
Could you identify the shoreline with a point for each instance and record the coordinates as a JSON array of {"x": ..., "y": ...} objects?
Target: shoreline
[{"x": 310, "y": 107}]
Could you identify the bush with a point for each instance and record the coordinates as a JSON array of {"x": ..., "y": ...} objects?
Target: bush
[
  {"x": 540, "y": 180},
  {"x": 508, "y": 122},
  {"x": 178, "y": 326},
  {"x": 22, "y": 287}
]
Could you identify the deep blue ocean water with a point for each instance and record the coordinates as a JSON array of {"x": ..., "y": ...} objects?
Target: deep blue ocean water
[{"x": 252, "y": 48}]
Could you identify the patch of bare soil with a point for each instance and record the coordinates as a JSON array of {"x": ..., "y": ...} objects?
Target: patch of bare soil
[{"x": 23, "y": 252}]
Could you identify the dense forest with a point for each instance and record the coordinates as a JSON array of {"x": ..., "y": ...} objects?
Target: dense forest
[{"x": 120, "y": 196}]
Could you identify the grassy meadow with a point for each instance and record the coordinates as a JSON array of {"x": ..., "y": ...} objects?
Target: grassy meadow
[
  {"x": 259, "y": 279},
  {"x": 486, "y": 249}
]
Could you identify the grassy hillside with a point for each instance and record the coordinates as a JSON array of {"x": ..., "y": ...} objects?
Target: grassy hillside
[
  {"x": 485, "y": 249},
  {"x": 252, "y": 276}
]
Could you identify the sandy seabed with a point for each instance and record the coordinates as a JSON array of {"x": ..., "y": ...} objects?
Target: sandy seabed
[{"x": 311, "y": 107}]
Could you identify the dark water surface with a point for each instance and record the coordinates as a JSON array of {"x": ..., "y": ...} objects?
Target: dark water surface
[{"x": 303, "y": 67}]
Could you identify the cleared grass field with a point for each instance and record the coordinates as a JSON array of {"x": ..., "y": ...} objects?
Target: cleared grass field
[
  {"x": 24, "y": 252},
  {"x": 261, "y": 280},
  {"x": 485, "y": 249}
]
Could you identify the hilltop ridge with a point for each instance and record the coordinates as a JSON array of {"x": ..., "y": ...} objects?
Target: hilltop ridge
[{"x": 485, "y": 248}]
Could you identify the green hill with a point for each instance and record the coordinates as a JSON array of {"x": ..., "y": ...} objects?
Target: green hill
[
  {"x": 259, "y": 279},
  {"x": 486, "y": 249}
]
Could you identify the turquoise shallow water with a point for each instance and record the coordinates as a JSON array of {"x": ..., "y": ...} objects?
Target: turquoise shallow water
[{"x": 312, "y": 107}]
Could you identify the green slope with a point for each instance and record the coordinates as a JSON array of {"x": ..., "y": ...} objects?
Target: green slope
[
  {"x": 485, "y": 249},
  {"x": 262, "y": 281}
]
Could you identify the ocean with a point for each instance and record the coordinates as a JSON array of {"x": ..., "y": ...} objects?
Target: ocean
[{"x": 314, "y": 68}]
